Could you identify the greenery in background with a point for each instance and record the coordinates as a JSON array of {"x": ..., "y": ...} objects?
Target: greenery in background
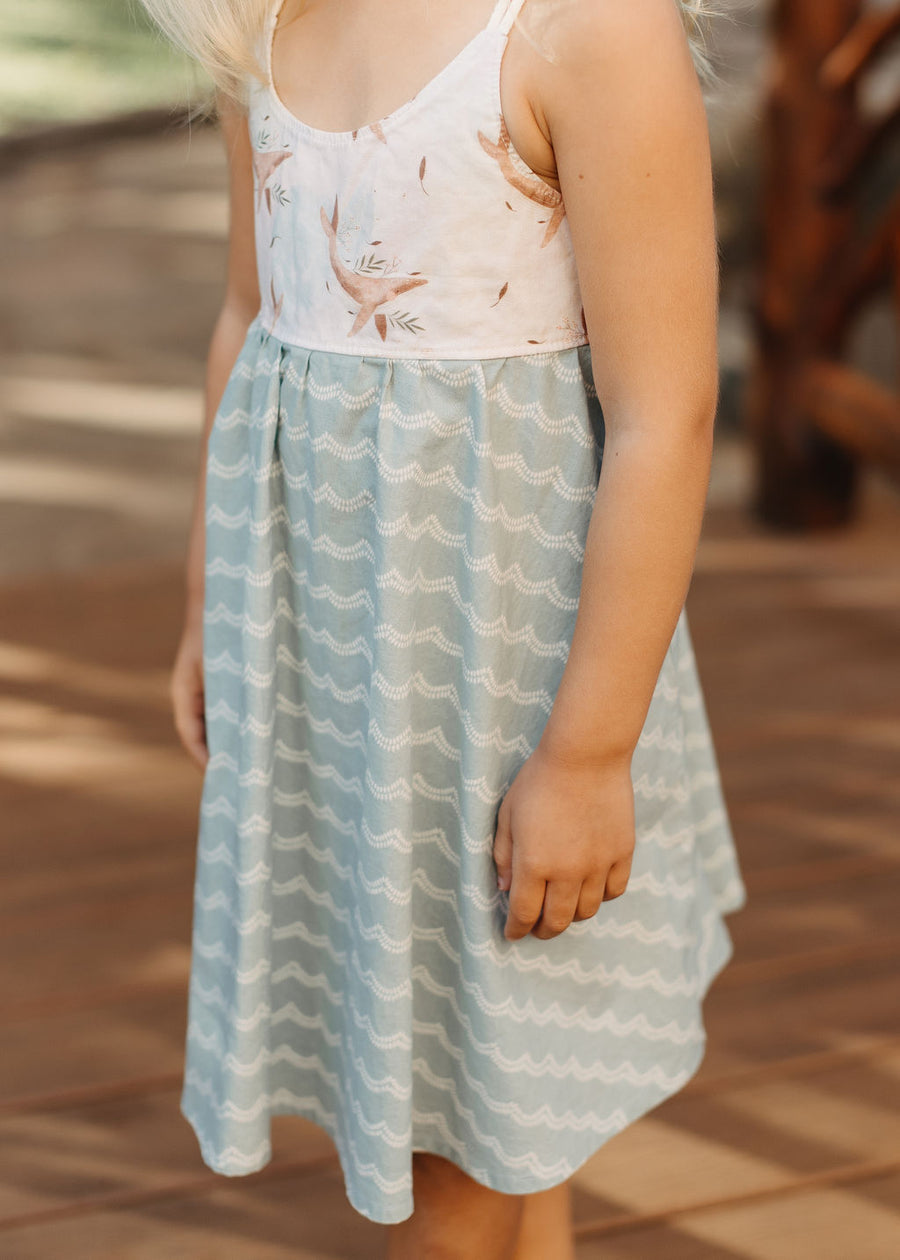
[{"x": 76, "y": 59}]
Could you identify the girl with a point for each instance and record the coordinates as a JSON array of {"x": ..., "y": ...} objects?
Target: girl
[{"x": 464, "y": 859}]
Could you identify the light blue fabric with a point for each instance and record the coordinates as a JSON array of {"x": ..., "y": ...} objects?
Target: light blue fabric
[{"x": 394, "y": 552}]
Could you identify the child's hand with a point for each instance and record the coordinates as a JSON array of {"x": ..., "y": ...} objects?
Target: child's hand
[
  {"x": 564, "y": 842},
  {"x": 186, "y": 689}
]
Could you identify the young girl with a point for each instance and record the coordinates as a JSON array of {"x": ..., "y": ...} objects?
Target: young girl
[{"x": 464, "y": 859}]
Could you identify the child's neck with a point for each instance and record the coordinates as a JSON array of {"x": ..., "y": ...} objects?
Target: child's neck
[{"x": 339, "y": 64}]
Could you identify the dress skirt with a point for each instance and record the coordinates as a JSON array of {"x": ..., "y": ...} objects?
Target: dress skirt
[{"x": 394, "y": 551}]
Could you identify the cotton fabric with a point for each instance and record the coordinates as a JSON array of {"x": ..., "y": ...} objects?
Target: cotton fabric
[{"x": 399, "y": 486}]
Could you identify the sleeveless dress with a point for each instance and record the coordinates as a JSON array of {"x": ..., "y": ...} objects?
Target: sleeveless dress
[{"x": 400, "y": 479}]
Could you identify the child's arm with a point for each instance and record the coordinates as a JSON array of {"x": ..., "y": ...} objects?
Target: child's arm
[
  {"x": 624, "y": 113},
  {"x": 628, "y": 128},
  {"x": 239, "y": 308}
]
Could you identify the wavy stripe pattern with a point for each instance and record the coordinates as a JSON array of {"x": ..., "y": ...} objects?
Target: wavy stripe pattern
[{"x": 393, "y": 568}]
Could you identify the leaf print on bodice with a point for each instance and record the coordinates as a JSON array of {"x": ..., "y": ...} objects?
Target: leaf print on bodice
[
  {"x": 370, "y": 291},
  {"x": 533, "y": 187}
]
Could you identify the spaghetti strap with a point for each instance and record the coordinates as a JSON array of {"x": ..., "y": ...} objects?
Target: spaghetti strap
[
  {"x": 498, "y": 13},
  {"x": 510, "y": 14},
  {"x": 268, "y": 36}
]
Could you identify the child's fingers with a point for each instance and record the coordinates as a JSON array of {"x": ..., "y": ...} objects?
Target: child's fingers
[
  {"x": 503, "y": 848},
  {"x": 590, "y": 898},
  {"x": 188, "y": 713},
  {"x": 526, "y": 897},
  {"x": 617, "y": 879},
  {"x": 191, "y": 730},
  {"x": 560, "y": 904}
]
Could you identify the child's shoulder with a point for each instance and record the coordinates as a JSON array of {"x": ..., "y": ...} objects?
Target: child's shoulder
[
  {"x": 605, "y": 57},
  {"x": 596, "y": 33}
]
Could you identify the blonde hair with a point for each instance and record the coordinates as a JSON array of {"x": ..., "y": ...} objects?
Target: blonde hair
[
  {"x": 696, "y": 15},
  {"x": 225, "y": 36}
]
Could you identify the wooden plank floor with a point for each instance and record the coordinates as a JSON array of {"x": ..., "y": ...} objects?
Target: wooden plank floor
[{"x": 785, "y": 1146}]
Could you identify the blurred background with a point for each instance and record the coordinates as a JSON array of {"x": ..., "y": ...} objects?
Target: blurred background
[{"x": 113, "y": 215}]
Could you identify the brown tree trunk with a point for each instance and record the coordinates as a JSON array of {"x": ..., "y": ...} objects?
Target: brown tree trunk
[{"x": 804, "y": 479}]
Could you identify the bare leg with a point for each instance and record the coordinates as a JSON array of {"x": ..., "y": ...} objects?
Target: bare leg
[
  {"x": 545, "y": 1229},
  {"x": 455, "y": 1218}
]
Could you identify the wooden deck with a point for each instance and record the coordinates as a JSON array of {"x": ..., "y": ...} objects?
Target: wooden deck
[{"x": 786, "y": 1146}]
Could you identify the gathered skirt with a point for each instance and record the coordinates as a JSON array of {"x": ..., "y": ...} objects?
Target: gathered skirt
[{"x": 394, "y": 553}]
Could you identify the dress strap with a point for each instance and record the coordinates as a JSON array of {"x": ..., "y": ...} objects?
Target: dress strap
[
  {"x": 269, "y": 36},
  {"x": 506, "y": 13}
]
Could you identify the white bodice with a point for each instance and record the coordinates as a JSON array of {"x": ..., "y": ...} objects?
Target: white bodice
[{"x": 421, "y": 235}]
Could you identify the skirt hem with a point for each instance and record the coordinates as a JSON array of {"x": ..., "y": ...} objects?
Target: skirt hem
[{"x": 382, "y": 1215}]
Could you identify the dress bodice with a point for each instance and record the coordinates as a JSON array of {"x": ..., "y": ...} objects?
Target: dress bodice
[{"x": 421, "y": 235}]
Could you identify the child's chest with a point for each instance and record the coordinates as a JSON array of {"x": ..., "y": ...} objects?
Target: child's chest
[{"x": 339, "y": 65}]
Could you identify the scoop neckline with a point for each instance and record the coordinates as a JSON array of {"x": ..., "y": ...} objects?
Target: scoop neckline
[{"x": 324, "y": 135}]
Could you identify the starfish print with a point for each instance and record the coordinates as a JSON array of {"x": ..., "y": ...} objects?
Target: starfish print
[
  {"x": 369, "y": 291},
  {"x": 534, "y": 188},
  {"x": 265, "y": 164}
]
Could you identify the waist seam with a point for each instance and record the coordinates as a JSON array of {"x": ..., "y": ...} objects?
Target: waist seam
[{"x": 361, "y": 351}]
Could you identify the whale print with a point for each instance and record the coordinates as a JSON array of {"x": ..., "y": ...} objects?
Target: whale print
[
  {"x": 369, "y": 291},
  {"x": 265, "y": 164},
  {"x": 534, "y": 188}
]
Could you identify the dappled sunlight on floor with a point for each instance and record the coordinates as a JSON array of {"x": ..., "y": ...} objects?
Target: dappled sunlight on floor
[
  {"x": 113, "y": 265},
  {"x": 102, "y": 404},
  {"x": 794, "y": 1110}
]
